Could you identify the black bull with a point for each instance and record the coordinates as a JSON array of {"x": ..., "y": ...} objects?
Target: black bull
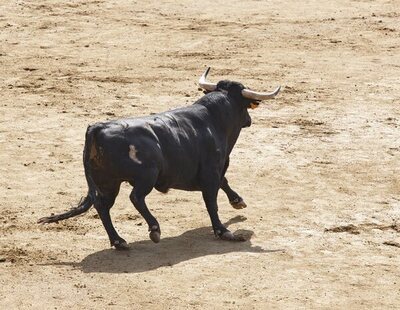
[{"x": 187, "y": 148}]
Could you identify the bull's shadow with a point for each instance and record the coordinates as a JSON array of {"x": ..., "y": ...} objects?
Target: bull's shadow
[{"x": 145, "y": 255}]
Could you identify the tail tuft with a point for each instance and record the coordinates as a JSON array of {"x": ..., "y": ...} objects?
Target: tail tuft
[{"x": 82, "y": 207}]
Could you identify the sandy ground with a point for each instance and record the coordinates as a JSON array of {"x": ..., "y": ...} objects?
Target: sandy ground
[{"x": 319, "y": 168}]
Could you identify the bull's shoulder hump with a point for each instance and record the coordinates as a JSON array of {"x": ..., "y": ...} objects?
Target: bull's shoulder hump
[{"x": 212, "y": 98}]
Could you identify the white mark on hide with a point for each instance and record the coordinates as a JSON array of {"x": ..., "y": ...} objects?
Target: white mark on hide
[{"x": 132, "y": 154}]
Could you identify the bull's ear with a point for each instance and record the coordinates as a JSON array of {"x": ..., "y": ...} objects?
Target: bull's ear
[
  {"x": 254, "y": 105},
  {"x": 204, "y": 90}
]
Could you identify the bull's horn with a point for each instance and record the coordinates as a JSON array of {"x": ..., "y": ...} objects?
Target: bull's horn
[
  {"x": 247, "y": 93},
  {"x": 204, "y": 84}
]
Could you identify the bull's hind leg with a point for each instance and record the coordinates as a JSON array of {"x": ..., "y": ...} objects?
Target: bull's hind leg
[
  {"x": 141, "y": 188},
  {"x": 234, "y": 199},
  {"x": 103, "y": 204}
]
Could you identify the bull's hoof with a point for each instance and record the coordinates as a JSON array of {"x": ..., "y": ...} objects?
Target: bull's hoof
[
  {"x": 238, "y": 203},
  {"x": 228, "y": 236},
  {"x": 155, "y": 234},
  {"x": 120, "y": 245}
]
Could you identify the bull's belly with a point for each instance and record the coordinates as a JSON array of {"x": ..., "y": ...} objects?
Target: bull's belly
[
  {"x": 165, "y": 189},
  {"x": 163, "y": 184}
]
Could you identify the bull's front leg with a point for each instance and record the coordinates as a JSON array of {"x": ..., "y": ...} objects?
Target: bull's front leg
[
  {"x": 210, "y": 192},
  {"x": 234, "y": 199}
]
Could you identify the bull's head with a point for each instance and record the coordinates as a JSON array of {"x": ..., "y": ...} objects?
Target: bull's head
[
  {"x": 246, "y": 97},
  {"x": 253, "y": 96}
]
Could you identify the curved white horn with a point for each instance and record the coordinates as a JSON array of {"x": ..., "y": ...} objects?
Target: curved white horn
[
  {"x": 247, "y": 93},
  {"x": 204, "y": 84}
]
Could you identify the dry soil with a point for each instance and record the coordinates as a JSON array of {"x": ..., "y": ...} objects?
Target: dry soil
[{"x": 319, "y": 167}]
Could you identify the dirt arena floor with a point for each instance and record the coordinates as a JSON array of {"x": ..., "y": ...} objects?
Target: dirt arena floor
[{"x": 319, "y": 168}]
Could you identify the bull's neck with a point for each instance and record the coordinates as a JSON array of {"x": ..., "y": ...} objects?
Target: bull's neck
[{"x": 226, "y": 117}]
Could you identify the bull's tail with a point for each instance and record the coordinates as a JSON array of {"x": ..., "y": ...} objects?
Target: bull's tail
[{"x": 86, "y": 202}]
